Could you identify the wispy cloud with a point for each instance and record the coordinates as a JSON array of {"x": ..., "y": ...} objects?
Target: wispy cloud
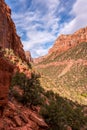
[
  {"x": 37, "y": 25},
  {"x": 80, "y": 20},
  {"x": 39, "y": 22}
]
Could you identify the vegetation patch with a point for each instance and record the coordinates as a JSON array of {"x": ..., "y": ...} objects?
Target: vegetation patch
[
  {"x": 31, "y": 92},
  {"x": 61, "y": 113},
  {"x": 72, "y": 84},
  {"x": 77, "y": 52}
]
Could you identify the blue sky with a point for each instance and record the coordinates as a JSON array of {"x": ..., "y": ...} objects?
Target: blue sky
[{"x": 40, "y": 22}]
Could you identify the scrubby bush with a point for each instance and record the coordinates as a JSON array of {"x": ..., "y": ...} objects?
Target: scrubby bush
[
  {"x": 57, "y": 111},
  {"x": 29, "y": 65},
  {"x": 84, "y": 94},
  {"x": 31, "y": 88},
  {"x": 19, "y": 79},
  {"x": 32, "y": 92}
]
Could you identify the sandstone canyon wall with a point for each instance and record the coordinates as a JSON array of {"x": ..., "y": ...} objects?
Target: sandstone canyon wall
[
  {"x": 8, "y": 39},
  {"x": 6, "y": 70},
  {"x": 65, "y": 42},
  {"x": 8, "y": 36}
]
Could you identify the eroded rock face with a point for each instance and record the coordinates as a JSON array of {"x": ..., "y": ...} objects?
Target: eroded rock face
[
  {"x": 64, "y": 42},
  {"x": 28, "y": 56},
  {"x": 6, "y": 70},
  {"x": 8, "y": 36},
  {"x": 19, "y": 117}
]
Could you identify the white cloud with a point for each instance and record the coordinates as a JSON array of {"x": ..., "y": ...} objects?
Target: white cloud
[
  {"x": 37, "y": 39},
  {"x": 37, "y": 42},
  {"x": 40, "y": 51},
  {"x": 39, "y": 28},
  {"x": 80, "y": 20},
  {"x": 38, "y": 24},
  {"x": 80, "y": 7}
]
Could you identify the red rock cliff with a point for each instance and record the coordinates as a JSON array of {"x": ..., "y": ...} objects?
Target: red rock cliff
[
  {"x": 8, "y": 35},
  {"x": 65, "y": 42},
  {"x": 6, "y": 70},
  {"x": 28, "y": 56}
]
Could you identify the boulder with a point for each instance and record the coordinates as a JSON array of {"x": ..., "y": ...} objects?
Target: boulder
[{"x": 38, "y": 120}]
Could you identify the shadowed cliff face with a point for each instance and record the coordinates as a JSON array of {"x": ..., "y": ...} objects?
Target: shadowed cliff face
[
  {"x": 8, "y": 36},
  {"x": 6, "y": 70}
]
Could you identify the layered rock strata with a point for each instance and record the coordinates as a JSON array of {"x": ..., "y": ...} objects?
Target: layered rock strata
[{"x": 8, "y": 36}]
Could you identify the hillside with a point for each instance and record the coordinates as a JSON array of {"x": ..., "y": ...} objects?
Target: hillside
[
  {"x": 68, "y": 72},
  {"x": 75, "y": 53},
  {"x": 29, "y": 98},
  {"x": 65, "y": 73}
]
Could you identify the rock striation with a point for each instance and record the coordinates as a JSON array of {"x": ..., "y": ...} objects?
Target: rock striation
[{"x": 8, "y": 36}]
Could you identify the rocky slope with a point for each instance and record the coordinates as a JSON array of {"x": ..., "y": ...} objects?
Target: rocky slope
[
  {"x": 8, "y": 36},
  {"x": 65, "y": 66},
  {"x": 67, "y": 73},
  {"x": 64, "y": 72},
  {"x": 18, "y": 117}
]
